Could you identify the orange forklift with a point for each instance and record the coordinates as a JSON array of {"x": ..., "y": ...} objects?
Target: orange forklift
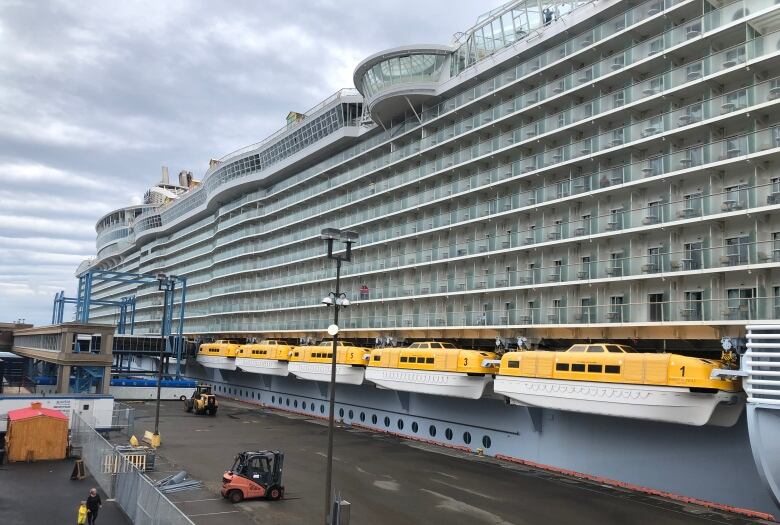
[{"x": 254, "y": 475}]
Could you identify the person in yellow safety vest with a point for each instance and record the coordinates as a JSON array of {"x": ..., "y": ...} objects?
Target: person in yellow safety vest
[{"x": 82, "y": 513}]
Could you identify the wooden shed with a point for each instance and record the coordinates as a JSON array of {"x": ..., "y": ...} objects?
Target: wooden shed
[{"x": 36, "y": 433}]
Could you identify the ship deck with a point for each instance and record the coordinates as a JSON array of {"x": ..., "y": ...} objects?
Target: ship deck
[{"x": 388, "y": 480}]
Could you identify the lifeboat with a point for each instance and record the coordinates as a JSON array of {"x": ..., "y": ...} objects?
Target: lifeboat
[
  {"x": 615, "y": 380},
  {"x": 313, "y": 362},
  {"x": 268, "y": 357},
  {"x": 435, "y": 368},
  {"x": 219, "y": 354}
]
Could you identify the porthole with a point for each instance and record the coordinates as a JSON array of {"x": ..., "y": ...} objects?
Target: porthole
[
  {"x": 415, "y": 427},
  {"x": 295, "y": 403},
  {"x": 400, "y": 424},
  {"x": 363, "y": 417},
  {"x": 303, "y": 405},
  {"x": 432, "y": 431},
  {"x": 466, "y": 438},
  {"x": 387, "y": 421},
  {"x": 273, "y": 399},
  {"x": 280, "y": 400},
  {"x": 253, "y": 395},
  {"x": 448, "y": 434},
  {"x": 322, "y": 410},
  {"x": 288, "y": 401},
  {"x": 351, "y": 415},
  {"x": 374, "y": 419},
  {"x": 486, "y": 442},
  {"x": 341, "y": 413}
]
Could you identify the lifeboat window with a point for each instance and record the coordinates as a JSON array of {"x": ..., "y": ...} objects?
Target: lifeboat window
[
  {"x": 595, "y": 368},
  {"x": 387, "y": 421},
  {"x": 628, "y": 349},
  {"x": 560, "y": 367},
  {"x": 412, "y": 359},
  {"x": 612, "y": 369},
  {"x": 374, "y": 419},
  {"x": 330, "y": 354},
  {"x": 466, "y": 438},
  {"x": 429, "y": 360},
  {"x": 595, "y": 349},
  {"x": 615, "y": 349},
  {"x": 414, "y": 345},
  {"x": 415, "y": 427},
  {"x": 435, "y": 345},
  {"x": 577, "y": 367},
  {"x": 432, "y": 431},
  {"x": 377, "y": 357},
  {"x": 486, "y": 442},
  {"x": 447, "y": 345},
  {"x": 513, "y": 364},
  {"x": 448, "y": 434},
  {"x": 400, "y": 424},
  {"x": 403, "y": 359},
  {"x": 578, "y": 348}
]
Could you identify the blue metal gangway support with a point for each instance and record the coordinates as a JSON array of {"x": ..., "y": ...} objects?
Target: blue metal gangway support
[{"x": 127, "y": 305}]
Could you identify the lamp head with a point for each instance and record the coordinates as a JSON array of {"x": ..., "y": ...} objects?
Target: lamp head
[
  {"x": 329, "y": 234},
  {"x": 327, "y": 301},
  {"x": 349, "y": 236},
  {"x": 343, "y": 302}
]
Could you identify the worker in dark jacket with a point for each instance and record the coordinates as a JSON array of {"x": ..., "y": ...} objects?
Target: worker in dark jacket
[{"x": 93, "y": 506}]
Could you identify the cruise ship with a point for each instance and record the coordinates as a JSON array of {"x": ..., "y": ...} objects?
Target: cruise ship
[{"x": 560, "y": 173}]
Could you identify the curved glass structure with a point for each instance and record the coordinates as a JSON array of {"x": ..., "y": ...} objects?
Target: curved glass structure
[{"x": 402, "y": 69}]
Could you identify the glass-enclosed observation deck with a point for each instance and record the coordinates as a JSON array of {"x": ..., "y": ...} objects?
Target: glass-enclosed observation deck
[{"x": 395, "y": 80}]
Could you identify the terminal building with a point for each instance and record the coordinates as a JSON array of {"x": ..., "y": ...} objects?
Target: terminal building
[{"x": 562, "y": 171}]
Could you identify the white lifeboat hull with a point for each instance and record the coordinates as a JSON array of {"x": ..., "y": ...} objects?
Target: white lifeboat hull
[
  {"x": 345, "y": 374},
  {"x": 270, "y": 367},
  {"x": 655, "y": 403},
  {"x": 215, "y": 361},
  {"x": 452, "y": 384}
]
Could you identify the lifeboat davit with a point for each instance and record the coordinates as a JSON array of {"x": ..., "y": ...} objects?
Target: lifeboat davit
[
  {"x": 615, "y": 380},
  {"x": 268, "y": 357},
  {"x": 432, "y": 367},
  {"x": 219, "y": 354},
  {"x": 314, "y": 362}
]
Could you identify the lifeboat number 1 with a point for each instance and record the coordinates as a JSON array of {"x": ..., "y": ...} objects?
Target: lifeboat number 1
[{"x": 682, "y": 371}]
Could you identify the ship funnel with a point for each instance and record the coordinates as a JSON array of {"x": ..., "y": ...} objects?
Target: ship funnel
[{"x": 165, "y": 179}]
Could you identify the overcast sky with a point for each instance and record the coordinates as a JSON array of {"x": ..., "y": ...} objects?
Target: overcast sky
[{"x": 96, "y": 96}]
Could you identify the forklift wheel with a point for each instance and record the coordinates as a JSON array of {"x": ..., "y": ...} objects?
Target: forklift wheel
[
  {"x": 212, "y": 412},
  {"x": 187, "y": 407},
  {"x": 235, "y": 496},
  {"x": 275, "y": 493}
]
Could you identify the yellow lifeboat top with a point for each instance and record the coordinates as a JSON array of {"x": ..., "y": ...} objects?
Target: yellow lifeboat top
[
  {"x": 220, "y": 348},
  {"x": 613, "y": 363},
  {"x": 266, "y": 349},
  {"x": 433, "y": 355},
  {"x": 347, "y": 353}
]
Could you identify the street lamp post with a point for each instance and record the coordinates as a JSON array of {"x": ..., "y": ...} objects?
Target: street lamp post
[
  {"x": 167, "y": 284},
  {"x": 336, "y": 299}
]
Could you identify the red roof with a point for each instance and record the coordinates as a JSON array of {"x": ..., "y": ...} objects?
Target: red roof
[{"x": 29, "y": 412}]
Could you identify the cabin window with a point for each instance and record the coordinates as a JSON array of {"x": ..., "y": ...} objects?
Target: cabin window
[
  {"x": 435, "y": 345},
  {"x": 412, "y": 359},
  {"x": 513, "y": 364},
  {"x": 560, "y": 367},
  {"x": 615, "y": 349},
  {"x": 404, "y": 359},
  {"x": 577, "y": 367},
  {"x": 377, "y": 358},
  {"x": 595, "y": 348},
  {"x": 577, "y": 348},
  {"x": 595, "y": 368},
  {"x": 429, "y": 360},
  {"x": 612, "y": 369},
  {"x": 330, "y": 355}
]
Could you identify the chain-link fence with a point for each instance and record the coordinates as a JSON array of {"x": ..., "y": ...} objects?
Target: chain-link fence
[
  {"x": 119, "y": 479},
  {"x": 123, "y": 419}
]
